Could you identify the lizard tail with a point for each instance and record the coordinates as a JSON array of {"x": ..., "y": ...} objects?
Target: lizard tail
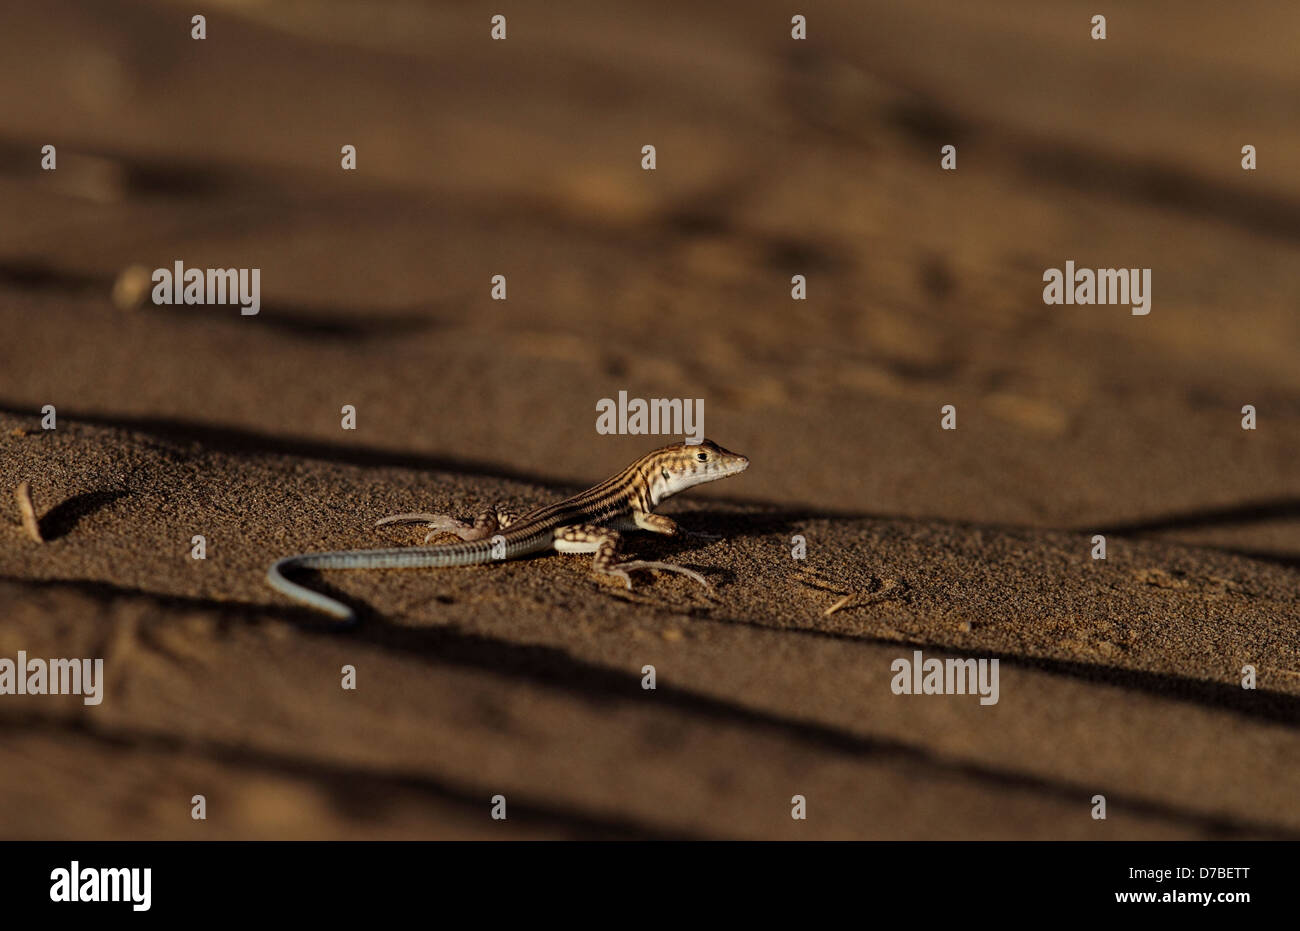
[
  {"x": 275, "y": 578},
  {"x": 411, "y": 557}
]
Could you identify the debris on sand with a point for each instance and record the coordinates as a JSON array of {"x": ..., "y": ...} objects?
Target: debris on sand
[{"x": 23, "y": 494}]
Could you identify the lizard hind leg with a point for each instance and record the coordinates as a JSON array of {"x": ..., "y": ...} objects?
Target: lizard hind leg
[
  {"x": 483, "y": 527},
  {"x": 605, "y": 544},
  {"x": 622, "y": 569}
]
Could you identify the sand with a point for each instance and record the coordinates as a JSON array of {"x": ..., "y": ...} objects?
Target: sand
[{"x": 1119, "y": 677}]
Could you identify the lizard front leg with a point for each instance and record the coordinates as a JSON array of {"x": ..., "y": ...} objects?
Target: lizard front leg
[
  {"x": 606, "y": 545},
  {"x": 657, "y": 523}
]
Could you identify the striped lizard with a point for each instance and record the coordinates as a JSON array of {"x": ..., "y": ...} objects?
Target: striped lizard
[{"x": 588, "y": 522}]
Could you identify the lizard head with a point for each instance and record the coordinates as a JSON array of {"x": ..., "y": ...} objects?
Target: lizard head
[{"x": 685, "y": 465}]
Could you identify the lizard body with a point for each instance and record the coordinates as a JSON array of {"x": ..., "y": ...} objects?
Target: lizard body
[{"x": 588, "y": 522}]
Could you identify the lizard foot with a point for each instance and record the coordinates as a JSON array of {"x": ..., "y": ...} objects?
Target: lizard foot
[{"x": 622, "y": 569}]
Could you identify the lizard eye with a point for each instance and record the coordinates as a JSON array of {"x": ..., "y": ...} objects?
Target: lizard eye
[
  {"x": 702, "y": 457},
  {"x": 664, "y": 473}
]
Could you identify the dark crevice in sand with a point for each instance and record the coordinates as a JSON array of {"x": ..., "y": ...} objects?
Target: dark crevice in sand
[
  {"x": 136, "y": 176},
  {"x": 1160, "y": 184},
  {"x": 555, "y": 668},
  {"x": 1255, "y": 704},
  {"x": 1233, "y": 515},
  {"x": 299, "y": 320},
  {"x": 1247, "y": 512},
  {"x": 1289, "y": 560},
  {"x": 241, "y": 441},
  {"x": 352, "y": 788},
  {"x": 129, "y": 176},
  {"x": 39, "y": 275},
  {"x": 367, "y": 326},
  {"x": 230, "y": 610}
]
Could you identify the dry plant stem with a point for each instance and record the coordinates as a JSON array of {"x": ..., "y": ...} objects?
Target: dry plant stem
[{"x": 23, "y": 494}]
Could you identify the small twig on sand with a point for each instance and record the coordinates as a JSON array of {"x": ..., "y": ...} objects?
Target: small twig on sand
[
  {"x": 862, "y": 599},
  {"x": 839, "y": 604},
  {"x": 23, "y": 494}
]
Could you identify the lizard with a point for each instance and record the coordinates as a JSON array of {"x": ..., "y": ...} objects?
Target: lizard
[{"x": 588, "y": 522}]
